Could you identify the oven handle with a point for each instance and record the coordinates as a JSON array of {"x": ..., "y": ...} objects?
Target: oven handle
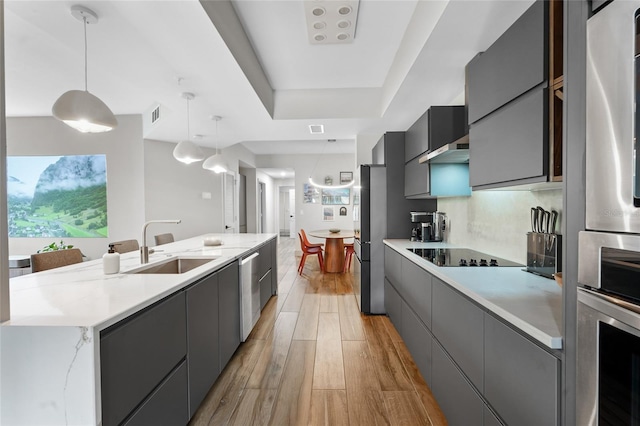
[{"x": 614, "y": 300}]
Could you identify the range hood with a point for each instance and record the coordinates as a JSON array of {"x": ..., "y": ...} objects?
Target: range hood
[{"x": 455, "y": 152}]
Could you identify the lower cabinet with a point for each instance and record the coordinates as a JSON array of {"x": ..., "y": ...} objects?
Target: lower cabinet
[
  {"x": 137, "y": 354},
  {"x": 228, "y": 312},
  {"x": 418, "y": 341},
  {"x": 458, "y": 400},
  {"x": 393, "y": 305},
  {"x": 168, "y": 403},
  {"x": 521, "y": 379},
  {"x": 202, "y": 332},
  {"x": 265, "y": 289},
  {"x": 458, "y": 326}
]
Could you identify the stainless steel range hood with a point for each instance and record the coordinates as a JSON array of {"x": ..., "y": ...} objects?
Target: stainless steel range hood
[{"x": 455, "y": 152}]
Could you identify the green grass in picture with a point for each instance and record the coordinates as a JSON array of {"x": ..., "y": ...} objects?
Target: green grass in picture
[
  {"x": 104, "y": 232},
  {"x": 72, "y": 231}
]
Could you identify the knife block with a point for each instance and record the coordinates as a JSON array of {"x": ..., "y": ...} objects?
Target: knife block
[{"x": 544, "y": 253}]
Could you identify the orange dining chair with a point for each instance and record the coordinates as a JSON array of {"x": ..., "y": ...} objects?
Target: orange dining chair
[
  {"x": 307, "y": 250},
  {"x": 349, "y": 250},
  {"x": 306, "y": 240}
]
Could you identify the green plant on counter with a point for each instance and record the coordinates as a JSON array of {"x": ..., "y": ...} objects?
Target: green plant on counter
[{"x": 54, "y": 246}]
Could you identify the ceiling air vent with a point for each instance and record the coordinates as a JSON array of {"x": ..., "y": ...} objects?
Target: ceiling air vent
[
  {"x": 316, "y": 129},
  {"x": 152, "y": 117},
  {"x": 155, "y": 114}
]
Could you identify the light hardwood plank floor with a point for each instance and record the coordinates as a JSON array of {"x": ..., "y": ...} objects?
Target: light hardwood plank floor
[{"x": 314, "y": 359}]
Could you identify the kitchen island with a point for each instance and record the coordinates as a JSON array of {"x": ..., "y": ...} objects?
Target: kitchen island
[
  {"x": 484, "y": 338},
  {"x": 50, "y": 350}
]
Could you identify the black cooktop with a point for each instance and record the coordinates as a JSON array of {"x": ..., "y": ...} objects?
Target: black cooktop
[{"x": 460, "y": 257}]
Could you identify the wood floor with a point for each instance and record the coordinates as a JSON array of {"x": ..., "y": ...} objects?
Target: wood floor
[{"x": 313, "y": 359}]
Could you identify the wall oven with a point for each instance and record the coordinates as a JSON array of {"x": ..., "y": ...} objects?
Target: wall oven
[{"x": 608, "y": 340}]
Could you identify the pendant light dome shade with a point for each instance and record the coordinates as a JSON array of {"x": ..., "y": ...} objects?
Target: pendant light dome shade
[
  {"x": 80, "y": 109},
  {"x": 216, "y": 164},
  {"x": 84, "y": 112},
  {"x": 188, "y": 152}
]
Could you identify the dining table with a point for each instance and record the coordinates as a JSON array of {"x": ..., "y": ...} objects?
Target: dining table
[{"x": 334, "y": 247}]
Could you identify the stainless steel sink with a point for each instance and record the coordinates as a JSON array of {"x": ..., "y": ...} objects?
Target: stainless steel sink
[{"x": 175, "y": 265}]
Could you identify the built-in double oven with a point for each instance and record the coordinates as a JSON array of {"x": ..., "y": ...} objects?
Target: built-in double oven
[{"x": 608, "y": 339}]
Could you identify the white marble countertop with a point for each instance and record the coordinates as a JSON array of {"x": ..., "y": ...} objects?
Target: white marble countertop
[
  {"x": 82, "y": 295},
  {"x": 529, "y": 302}
]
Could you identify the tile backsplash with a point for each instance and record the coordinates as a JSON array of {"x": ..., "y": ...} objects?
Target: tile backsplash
[{"x": 497, "y": 222}]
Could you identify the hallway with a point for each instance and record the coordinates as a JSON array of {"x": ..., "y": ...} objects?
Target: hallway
[{"x": 314, "y": 359}]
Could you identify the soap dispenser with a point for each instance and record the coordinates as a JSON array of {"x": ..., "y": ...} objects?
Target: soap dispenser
[{"x": 111, "y": 261}]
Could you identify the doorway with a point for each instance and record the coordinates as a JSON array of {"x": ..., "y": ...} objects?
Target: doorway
[
  {"x": 262, "y": 205},
  {"x": 286, "y": 213}
]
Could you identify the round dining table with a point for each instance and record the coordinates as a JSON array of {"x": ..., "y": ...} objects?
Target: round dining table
[{"x": 334, "y": 248}]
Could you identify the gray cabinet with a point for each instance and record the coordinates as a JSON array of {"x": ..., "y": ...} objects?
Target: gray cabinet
[
  {"x": 459, "y": 402},
  {"x": 138, "y": 353},
  {"x": 393, "y": 305},
  {"x": 228, "y": 312},
  {"x": 393, "y": 266},
  {"x": 274, "y": 266},
  {"x": 418, "y": 340},
  {"x": 490, "y": 419},
  {"x": 265, "y": 289},
  {"x": 416, "y": 179},
  {"x": 416, "y": 139},
  {"x": 458, "y": 324},
  {"x": 511, "y": 144},
  {"x": 515, "y": 63},
  {"x": 521, "y": 379},
  {"x": 167, "y": 405},
  {"x": 416, "y": 288},
  {"x": 202, "y": 336}
]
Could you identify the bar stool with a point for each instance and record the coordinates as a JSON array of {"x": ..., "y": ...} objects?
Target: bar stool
[{"x": 349, "y": 250}]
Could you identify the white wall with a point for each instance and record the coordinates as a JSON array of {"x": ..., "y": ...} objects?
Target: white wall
[
  {"x": 364, "y": 145},
  {"x": 123, "y": 148},
  {"x": 174, "y": 190},
  {"x": 309, "y": 216},
  {"x": 497, "y": 222},
  {"x": 270, "y": 213}
]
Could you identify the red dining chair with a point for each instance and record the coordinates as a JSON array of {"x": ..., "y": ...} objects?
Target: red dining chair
[
  {"x": 348, "y": 255},
  {"x": 306, "y": 240},
  {"x": 307, "y": 250}
]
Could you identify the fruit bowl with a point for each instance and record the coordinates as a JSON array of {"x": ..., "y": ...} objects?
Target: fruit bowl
[{"x": 334, "y": 230}]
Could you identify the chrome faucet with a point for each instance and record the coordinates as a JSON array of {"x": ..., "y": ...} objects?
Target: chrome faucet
[{"x": 144, "y": 249}]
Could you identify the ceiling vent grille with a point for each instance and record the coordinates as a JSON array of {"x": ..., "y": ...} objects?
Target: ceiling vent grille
[
  {"x": 155, "y": 114},
  {"x": 153, "y": 118},
  {"x": 316, "y": 129}
]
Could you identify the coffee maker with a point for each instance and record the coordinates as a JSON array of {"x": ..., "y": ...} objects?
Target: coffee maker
[
  {"x": 429, "y": 226},
  {"x": 417, "y": 218}
]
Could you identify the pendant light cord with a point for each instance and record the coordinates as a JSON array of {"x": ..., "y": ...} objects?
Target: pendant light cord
[
  {"x": 188, "y": 122},
  {"x": 86, "y": 88}
]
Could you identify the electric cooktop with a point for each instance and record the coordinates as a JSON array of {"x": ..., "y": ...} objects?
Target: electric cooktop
[{"x": 460, "y": 257}]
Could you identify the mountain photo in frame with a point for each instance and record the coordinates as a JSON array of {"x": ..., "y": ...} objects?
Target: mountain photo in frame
[{"x": 57, "y": 196}]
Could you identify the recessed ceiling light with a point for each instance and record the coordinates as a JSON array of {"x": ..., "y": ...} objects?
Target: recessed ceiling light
[
  {"x": 327, "y": 19},
  {"x": 316, "y": 129}
]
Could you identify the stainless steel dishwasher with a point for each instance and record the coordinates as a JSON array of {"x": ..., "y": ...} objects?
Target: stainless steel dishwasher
[{"x": 249, "y": 294}]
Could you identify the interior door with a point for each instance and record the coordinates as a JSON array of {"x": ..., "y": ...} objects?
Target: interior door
[
  {"x": 230, "y": 209},
  {"x": 292, "y": 210}
]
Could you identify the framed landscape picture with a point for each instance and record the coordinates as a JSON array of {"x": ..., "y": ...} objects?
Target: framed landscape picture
[
  {"x": 328, "y": 214},
  {"x": 310, "y": 194},
  {"x": 345, "y": 177},
  {"x": 57, "y": 196},
  {"x": 336, "y": 197}
]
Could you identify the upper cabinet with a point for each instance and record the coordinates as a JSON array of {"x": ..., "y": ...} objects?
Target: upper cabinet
[
  {"x": 514, "y": 64},
  {"x": 438, "y": 126},
  {"x": 514, "y": 92}
]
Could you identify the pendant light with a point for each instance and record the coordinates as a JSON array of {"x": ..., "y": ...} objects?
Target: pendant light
[
  {"x": 186, "y": 151},
  {"x": 317, "y": 185},
  {"x": 79, "y": 108},
  {"x": 216, "y": 162}
]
